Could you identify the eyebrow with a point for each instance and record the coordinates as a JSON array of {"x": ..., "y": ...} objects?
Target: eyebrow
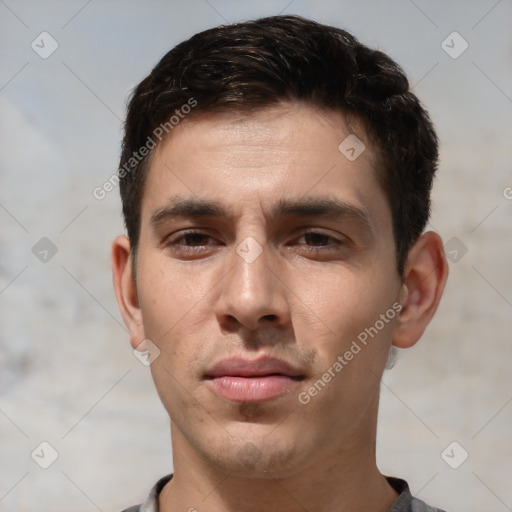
[{"x": 323, "y": 207}]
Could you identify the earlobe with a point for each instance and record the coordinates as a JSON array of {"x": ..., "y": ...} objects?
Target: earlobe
[
  {"x": 424, "y": 280},
  {"x": 125, "y": 288}
]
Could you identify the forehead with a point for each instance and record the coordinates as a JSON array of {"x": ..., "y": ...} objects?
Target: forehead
[{"x": 289, "y": 151}]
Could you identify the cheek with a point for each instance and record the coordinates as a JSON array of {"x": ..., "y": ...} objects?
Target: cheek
[
  {"x": 185, "y": 409},
  {"x": 170, "y": 296},
  {"x": 342, "y": 304},
  {"x": 350, "y": 337},
  {"x": 177, "y": 314}
]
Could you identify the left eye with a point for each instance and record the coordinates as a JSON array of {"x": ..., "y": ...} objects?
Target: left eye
[{"x": 316, "y": 239}]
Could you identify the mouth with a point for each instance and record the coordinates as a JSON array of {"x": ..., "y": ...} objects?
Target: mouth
[{"x": 261, "y": 380}]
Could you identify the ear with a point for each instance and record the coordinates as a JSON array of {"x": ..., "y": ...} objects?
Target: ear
[
  {"x": 125, "y": 287},
  {"x": 425, "y": 275}
]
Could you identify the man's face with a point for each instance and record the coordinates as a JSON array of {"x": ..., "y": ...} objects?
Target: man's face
[{"x": 254, "y": 301}]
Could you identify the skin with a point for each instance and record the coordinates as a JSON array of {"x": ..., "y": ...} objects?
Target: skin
[{"x": 304, "y": 299}]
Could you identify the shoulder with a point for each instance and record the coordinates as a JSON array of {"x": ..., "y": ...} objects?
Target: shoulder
[
  {"x": 405, "y": 501},
  {"x": 151, "y": 502}
]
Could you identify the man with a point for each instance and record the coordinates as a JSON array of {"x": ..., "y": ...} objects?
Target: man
[{"x": 275, "y": 179}]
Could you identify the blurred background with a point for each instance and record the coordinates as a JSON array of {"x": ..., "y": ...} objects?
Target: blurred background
[{"x": 68, "y": 377}]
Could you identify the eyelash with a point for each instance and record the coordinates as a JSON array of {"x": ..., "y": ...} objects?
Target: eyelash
[{"x": 189, "y": 248}]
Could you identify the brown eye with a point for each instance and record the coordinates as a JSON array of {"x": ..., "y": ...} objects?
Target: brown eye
[
  {"x": 190, "y": 244},
  {"x": 194, "y": 238},
  {"x": 315, "y": 239}
]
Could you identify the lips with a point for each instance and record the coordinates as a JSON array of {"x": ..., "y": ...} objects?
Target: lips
[{"x": 261, "y": 380}]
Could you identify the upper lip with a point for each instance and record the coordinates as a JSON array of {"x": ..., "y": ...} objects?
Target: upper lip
[{"x": 264, "y": 366}]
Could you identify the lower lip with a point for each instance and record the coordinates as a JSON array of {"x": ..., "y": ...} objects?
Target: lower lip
[{"x": 252, "y": 389}]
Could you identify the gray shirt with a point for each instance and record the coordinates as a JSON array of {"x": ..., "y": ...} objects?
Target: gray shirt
[{"x": 404, "y": 503}]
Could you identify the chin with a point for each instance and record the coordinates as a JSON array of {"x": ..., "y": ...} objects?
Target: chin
[{"x": 257, "y": 452}]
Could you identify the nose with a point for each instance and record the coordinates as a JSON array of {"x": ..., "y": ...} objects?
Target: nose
[{"x": 252, "y": 293}]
